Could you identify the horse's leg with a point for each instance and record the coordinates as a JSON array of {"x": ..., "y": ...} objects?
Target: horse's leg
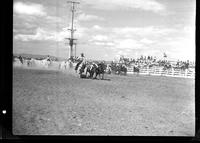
[
  {"x": 86, "y": 73},
  {"x": 102, "y": 76},
  {"x": 95, "y": 77},
  {"x": 91, "y": 74}
]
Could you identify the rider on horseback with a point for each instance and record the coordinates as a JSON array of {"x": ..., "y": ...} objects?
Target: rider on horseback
[
  {"x": 81, "y": 60},
  {"x": 48, "y": 58},
  {"x": 21, "y": 59}
]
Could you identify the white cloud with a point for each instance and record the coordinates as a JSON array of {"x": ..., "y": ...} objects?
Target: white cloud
[
  {"x": 29, "y": 9},
  {"x": 42, "y": 34},
  {"x": 144, "y": 31},
  {"x": 152, "y": 40},
  {"x": 29, "y": 25},
  {"x": 147, "y": 5},
  {"x": 110, "y": 44},
  {"x": 100, "y": 38},
  {"x": 120, "y": 53},
  {"x": 99, "y": 43},
  {"x": 97, "y": 27},
  {"x": 128, "y": 44},
  {"x": 182, "y": 48},
  {"x": 87, "y": 17},
  {"x": 146, "y": 41},
  {"x": 54, "y": 19},
  {"x": 107, "y": 44}
]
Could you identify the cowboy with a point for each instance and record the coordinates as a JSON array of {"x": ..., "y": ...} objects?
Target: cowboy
[
  {"x": 48, "y": 58},
  {"x": 82, "y": 57},
  {"x": 187, "y": 64},
  {"x": 21, "y": 59},
  {"x": 81, "y": 60}
]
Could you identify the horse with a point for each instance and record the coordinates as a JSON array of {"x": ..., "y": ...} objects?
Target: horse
[
  {"x": 46, "y": 62},
  {"x": 21, "y": 59},
  {"x": 113, "y": 68},
  {"x": 77, "y": 65},
  {"x": 121, "y": 68},
  {"x": 17, "y": 62},
  {"x": 136, "y": 69},
  {"x": 100, "y": 70},
  {"x": 63, "y": 65},
  {"x": 90, "y": 69},
  {"x": 41, "y": 63},
  {"x": 95, "y": 70},
  {"x": 182, "y": 67},
  {"x": 28, "y": 63},
  {"x": 81, "y": 68},
  {"x": 31, "y": 62},
  {"x": 167, "y": 67},
  {"x": 108, "y": 69}
]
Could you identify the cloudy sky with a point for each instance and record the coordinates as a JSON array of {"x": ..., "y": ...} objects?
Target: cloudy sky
[{"x": 106, "y": 29}]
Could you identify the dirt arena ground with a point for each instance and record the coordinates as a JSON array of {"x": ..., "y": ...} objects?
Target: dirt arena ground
[{"x": 47, "y": 102}]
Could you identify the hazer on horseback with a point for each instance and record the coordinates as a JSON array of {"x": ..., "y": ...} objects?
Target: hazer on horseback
[
  {"x": 21, "y": 59},
  {"x": 81, "y": 66},
  {"x": 81, "y": 60},
  {"x": 48, "y": 58}
]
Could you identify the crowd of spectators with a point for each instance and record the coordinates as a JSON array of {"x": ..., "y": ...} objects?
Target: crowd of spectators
[{"x": 150, "y": 60}]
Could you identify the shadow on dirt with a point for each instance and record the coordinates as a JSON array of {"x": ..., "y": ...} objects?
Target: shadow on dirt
[
  {"x": 84, "y": 77},
  {"x": 106, "y": 79}
]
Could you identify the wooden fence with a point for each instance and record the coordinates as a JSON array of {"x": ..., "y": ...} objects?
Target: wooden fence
[{"x": 156, "y": 71}]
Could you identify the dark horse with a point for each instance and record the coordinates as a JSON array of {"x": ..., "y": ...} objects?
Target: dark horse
[
  {"x": 21, "y": 59},
  {"x": 100, "y": 70},
  {"x": 136, "y": 69},
  {"x": 167, "y": 67},
  {"x": 96, "y": 70},
  {"x": 90, "y": 70},
  {"x": 121, "y": 69},
  {"x": 81, "y": 68}
]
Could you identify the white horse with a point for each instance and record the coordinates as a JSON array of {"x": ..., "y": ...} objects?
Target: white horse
[
  {"x": 17, "y": 62},
  {"x": 63, "y": 65},
  {"x": 108, "y": 69},
  {"x": 45, "y": 63},
  {"x": 40, "y": 63}
]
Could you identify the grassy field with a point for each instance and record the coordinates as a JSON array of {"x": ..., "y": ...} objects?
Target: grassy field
[{"x": 47, "y": 102}]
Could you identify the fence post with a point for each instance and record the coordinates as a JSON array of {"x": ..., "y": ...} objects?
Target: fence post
[
  {"x": 186, "y": 73},
  {"x": 173, "y": 71},
  {"x": 160, "y": 70}
]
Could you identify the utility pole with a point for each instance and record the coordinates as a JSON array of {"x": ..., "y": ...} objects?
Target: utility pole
[
  {"x": 71, "y": 39},
  {"x": 75, "y": 50}
]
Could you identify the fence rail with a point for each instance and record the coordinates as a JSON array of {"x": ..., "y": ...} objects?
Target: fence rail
[{"x": 188, "y": 73}]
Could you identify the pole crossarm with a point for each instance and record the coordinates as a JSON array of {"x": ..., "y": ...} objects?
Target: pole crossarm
[
  {"x": 72, "y": 30},
  {"x": 71, "y": 38},
  {"x": 73, "y": 2}
]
